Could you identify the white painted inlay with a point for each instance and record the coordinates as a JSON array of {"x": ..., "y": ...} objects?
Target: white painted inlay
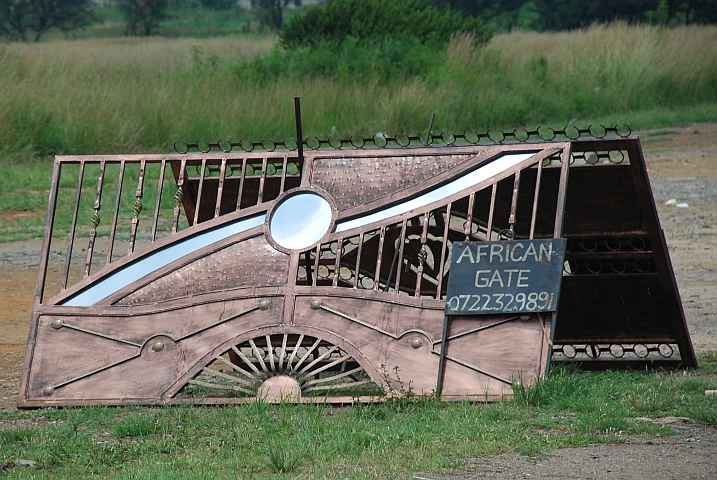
[
  {"x": 468, "y": 180},
  {"x": 156, "y": 260}
]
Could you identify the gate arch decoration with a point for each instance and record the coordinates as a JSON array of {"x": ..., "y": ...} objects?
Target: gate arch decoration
[{"x": 191, "y": 288}]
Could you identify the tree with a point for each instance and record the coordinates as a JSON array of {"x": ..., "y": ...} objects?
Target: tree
[
  {"x": 486, "y": 9},
  {"x": 693, "y": 11},
  {"x": 218, "y": 4},
  {"x": 270, "y": 12},
  {"x": 14, "y": 19},
  {"x": 18, "y": 17},
  {"x": 143, "y": 16}
]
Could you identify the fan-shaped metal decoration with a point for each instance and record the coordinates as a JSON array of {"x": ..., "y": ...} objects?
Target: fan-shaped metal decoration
[
  {"x": 282, "y": 366},
  {"x": 321, "y": 276}
]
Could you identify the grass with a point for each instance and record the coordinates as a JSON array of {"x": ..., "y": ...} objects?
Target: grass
[
  {"x": 396, "y": 439},
  {"x": 131, "y": 95}
]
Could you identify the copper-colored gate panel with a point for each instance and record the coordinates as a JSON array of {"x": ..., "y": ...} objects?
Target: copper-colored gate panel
[{"x": 220, "y": 278}]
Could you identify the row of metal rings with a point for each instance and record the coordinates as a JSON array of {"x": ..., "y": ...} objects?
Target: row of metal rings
[
  {"x": 612, "y": 156},
  {"x": 596, "y": 267},
  {"x": 612, "y": 244},
  {"x": 615, "y": 350},
  {"x": 404, "y": 140}
]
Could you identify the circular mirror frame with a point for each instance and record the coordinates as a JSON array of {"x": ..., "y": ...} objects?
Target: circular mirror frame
[{"x": 286, "y": 196}]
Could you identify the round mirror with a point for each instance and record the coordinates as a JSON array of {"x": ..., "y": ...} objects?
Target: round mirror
[{"x": 300, "y": 221}]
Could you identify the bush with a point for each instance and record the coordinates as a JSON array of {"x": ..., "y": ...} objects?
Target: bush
[
  {"x": 383, "y": 60},
  {"x": 338, "y": 20}
]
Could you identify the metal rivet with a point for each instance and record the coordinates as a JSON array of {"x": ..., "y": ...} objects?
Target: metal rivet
[
  {"x": 416, "y": 343},
  {"x": 57, "y": 324},
  {"x": 264, "y": 304},
  {"x": 48, "y": 390},
  {"x": 316, "y": 304},
  {"x": 158, "y": 346}
]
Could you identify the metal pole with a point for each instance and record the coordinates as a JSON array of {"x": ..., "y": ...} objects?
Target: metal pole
[
  {"x": 442, "y": 361},
  {"x": 299, "y": 133},
  {"x": 553, "y": 321},
  {"x": 430, "y": 127}
]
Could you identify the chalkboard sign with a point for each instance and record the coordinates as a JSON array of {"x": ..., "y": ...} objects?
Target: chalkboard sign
[{"x": 505, "y": 277}]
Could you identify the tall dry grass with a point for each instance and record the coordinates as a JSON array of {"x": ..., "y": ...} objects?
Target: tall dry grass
[{"x": 130, "y": 95}]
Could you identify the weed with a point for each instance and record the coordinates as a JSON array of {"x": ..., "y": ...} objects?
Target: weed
[
  {"x": 136, "y": 426},
  {"x": 284, "y": 455},
  {"x": 703, "y": 414},
  {"x": 17, "y": 435}
]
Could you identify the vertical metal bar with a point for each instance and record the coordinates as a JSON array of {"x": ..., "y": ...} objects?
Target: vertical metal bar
[
  {"x": 562, "y": 189},
  {"x": 199, "y": 192},
  {"x": 47, "y": 239},
  {"x": 428, "y": 130},
  {"x": 137, "y": 206},
  {"x": 270, "y": 351},
  {"x": 358, "y": 260},
  {"x": 95, "y": 219},
  {"x": 377, "y": 275},
  {"x": 514, "y": 201},
  {"x": 70, "y": 244},
  {"x": 443, "y": 251},
  {"x": 241, "y": 183},
  {"x": 316, "y": 265},
  {"x": 489, "y": 231},
  {"x": 179, "y": 196},
  {"x": 390, "y": 270},
  {"x": 307, "y": 266},
  {"x": 115, "y": 214},
  {"x": 402, "y": 239},
  {"x": 337, "y": 262},
  {"x": 160, "y": 184},
  {"x": 535, "y": 199},
  {"x": 220, "y": 188},
  {"x": 424, "y": 237},
  {"x": 442, "y": 358},
  {"x": 553, "y": 321},
  {"x": 283, "y": 175},
  {"x": 299, "y": 133},
  {"x": 557, "y": 233},
  {"x": 262, "y": 179},
  {"x": 468, "y": 227}
]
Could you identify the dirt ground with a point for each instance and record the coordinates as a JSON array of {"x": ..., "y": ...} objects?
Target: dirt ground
[{"x": 682, "y": 163}]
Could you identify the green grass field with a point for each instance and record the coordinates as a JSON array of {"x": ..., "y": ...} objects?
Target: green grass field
[
  {"x": 396, "y": 439},
  {"x": 131, "y": 95}
]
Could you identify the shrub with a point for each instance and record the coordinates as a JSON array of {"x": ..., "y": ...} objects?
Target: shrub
[
  {"x": 383, "y": 60},
  {"x": 337, "y": 20}
]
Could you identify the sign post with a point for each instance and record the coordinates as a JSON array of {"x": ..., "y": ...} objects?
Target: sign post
[{"x": 502, "y": 277}]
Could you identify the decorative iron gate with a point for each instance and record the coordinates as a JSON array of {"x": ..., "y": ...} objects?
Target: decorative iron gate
[{"x": 225, "y": 275}]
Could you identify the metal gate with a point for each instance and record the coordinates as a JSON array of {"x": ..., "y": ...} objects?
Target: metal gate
[{"x": 246, "y": 270}]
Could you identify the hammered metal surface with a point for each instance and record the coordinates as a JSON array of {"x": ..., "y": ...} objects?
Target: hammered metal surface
[
  {"x": 252, "y": 262},
  {"x": 356, "y": 181}
]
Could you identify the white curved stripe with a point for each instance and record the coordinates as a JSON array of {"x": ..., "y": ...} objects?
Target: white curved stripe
[
  {"x": 478, "y": 175},
  {"x": 156, "y": 260}
]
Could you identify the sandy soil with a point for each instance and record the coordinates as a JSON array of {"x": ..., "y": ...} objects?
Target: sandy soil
[{"x": 682, "y": 163}]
